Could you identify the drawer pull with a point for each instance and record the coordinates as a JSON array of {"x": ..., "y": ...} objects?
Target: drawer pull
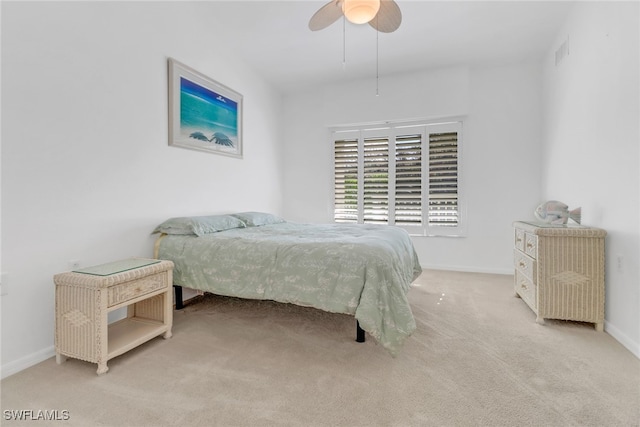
[
  {"x": 518, "y": 239},
  {"x": 529, "y": 244},
  {"x": 522, "y": 264},
  {"x": 524, "y": 286}
]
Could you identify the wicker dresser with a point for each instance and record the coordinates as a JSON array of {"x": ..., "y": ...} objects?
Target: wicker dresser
[
  {"x": 559, "y": 271},
  {"x": 85, "y": 297}
]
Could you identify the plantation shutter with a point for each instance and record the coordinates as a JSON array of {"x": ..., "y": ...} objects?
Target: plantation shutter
[
  {"x": 376, "y": 180},
  {"x": 408, "y": 180},
  {"x": 443, "y": 179},
  {"x": 346, "y": 180},
  {"x": 405, "y": 175}
]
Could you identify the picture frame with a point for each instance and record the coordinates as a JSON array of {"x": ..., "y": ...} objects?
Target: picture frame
[{"x": 204, "y": 115}]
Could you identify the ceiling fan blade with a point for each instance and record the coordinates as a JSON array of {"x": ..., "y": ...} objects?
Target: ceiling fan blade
[
  {"x": 388, "y": 18},
  {"x": 326, "y": 15}
]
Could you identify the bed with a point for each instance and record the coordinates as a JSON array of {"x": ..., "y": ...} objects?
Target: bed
[{"x": 360, "y": 270}]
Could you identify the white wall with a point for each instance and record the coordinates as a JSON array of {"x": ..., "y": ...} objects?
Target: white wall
[
  {"x": 86, "y": 170},
  {"x": 500, "y": 171},
  {"x": 591, "y": 144}
]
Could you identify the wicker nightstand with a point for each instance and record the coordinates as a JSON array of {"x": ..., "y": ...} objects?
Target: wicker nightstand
[
  {"x": 559, "y": 271},
  {"x": 85, "y": 297}
]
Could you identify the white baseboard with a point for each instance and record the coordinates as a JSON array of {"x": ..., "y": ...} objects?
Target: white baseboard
[
  {"x": 628, "y": 343},
  {"x": 468, "y": 269},
  {"x": 26, "y": 362}
]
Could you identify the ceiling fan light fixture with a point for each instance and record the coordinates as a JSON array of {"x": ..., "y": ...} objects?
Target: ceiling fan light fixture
[{"x": 360, "y": 11}]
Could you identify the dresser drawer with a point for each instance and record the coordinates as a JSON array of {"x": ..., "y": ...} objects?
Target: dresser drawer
[
  {"x": 527, "y": 290},
  {"x": 531, "y": 245},
  {"x": 519, "y": 239},
  {"x": 525, "y": 265},
  {"x": 130, "y": 290}
]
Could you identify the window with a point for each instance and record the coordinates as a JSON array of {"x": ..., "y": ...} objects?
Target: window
[{"x": 405, "y": 174}]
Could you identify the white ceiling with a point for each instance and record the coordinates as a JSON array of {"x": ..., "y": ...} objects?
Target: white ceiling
[{"x": 273, "y": 37}]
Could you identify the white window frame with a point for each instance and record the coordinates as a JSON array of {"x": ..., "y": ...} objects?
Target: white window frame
[{"x": 392, "y": 130}]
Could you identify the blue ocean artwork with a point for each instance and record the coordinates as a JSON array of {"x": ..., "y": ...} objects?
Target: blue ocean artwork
[{"x": 207, "y": 116}]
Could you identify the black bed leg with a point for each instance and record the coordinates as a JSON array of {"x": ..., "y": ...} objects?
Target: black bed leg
[
  {"x": 359, "y": 332},
  {"x": 178, "y": 291}
]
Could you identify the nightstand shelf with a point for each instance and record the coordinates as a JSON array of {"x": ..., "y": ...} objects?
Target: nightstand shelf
[{"x": 129, "y": 333}]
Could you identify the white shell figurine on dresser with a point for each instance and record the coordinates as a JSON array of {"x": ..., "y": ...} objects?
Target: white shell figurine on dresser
[
  {"x": 559, "y": 268},
  {"x": 555, "y": 212}
]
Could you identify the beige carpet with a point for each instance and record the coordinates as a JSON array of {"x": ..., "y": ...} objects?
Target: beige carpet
[{"x": 477, "y": 358}]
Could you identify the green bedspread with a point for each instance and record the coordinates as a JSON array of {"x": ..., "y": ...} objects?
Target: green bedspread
[{"x": 362, "y": 270}]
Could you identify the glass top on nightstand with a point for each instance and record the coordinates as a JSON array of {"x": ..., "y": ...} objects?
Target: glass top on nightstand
[
  {"x": 116, "y": 267},
  {"x": 549, "y": 225}
]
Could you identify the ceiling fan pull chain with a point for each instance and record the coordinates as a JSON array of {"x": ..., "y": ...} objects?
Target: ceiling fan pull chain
[
  {"x": 344, "y": 43},
  {"x": 377, "y": 60}
]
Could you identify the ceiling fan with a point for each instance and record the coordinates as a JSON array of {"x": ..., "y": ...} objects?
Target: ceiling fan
[{"x": 383, "y": 15}]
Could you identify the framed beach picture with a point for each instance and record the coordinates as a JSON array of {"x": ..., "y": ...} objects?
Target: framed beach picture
[{"x": 203, "y": 114}]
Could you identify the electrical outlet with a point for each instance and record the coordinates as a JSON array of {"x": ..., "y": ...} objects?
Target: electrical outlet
[{"x": 620, "y": 263}]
